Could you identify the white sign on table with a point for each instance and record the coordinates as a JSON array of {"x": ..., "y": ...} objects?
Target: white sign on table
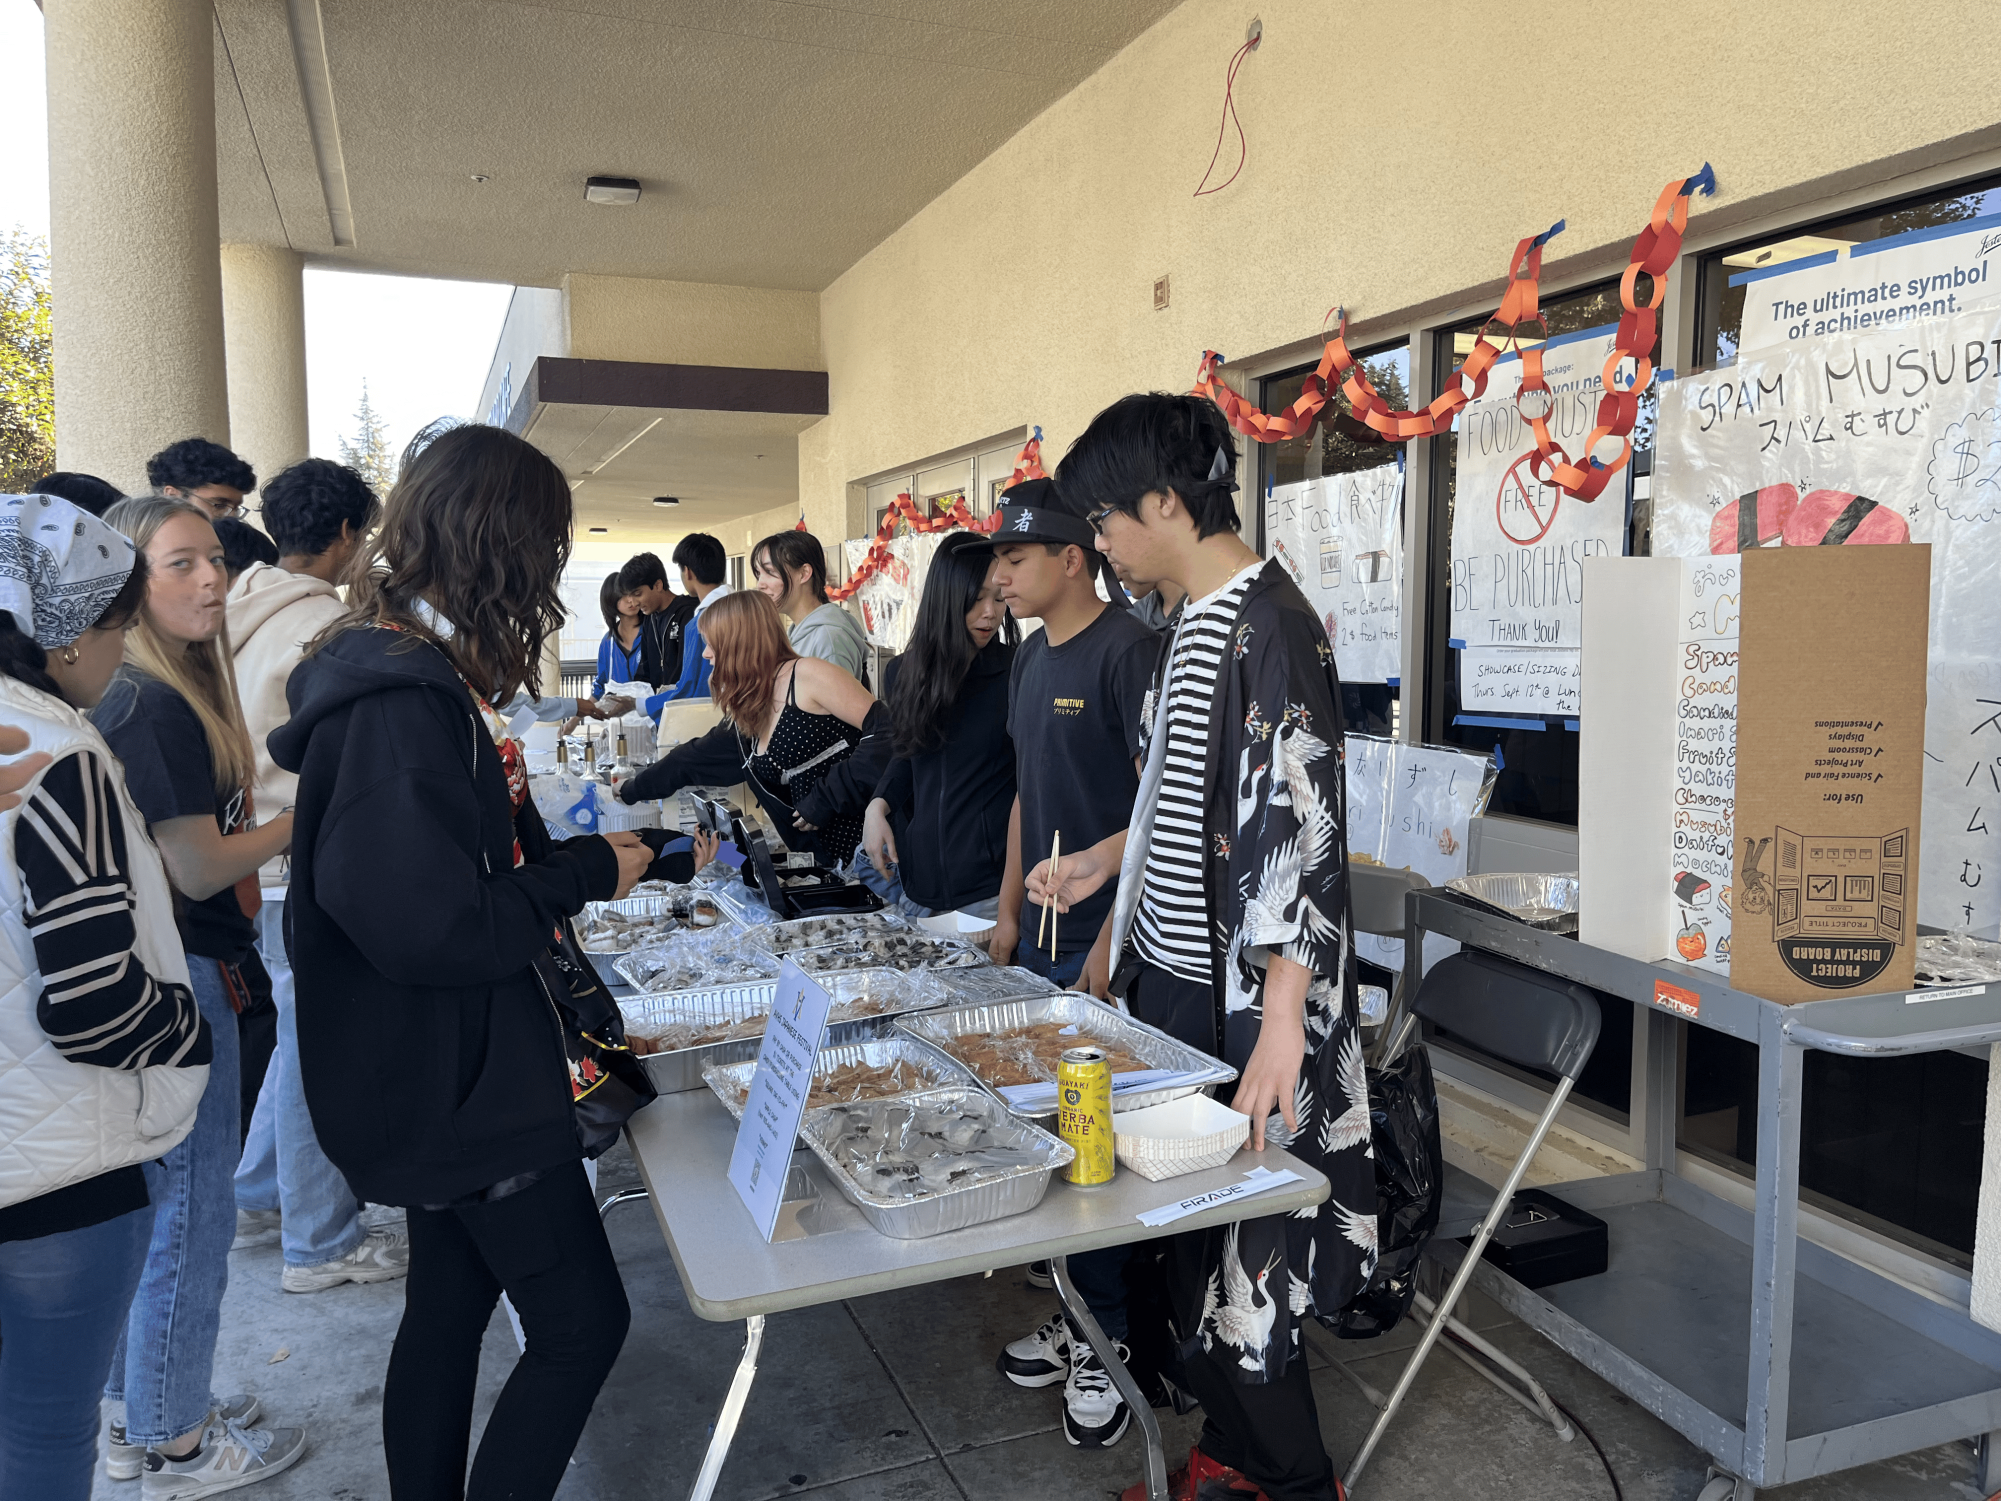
[
  {"x": 778, "y": 1093},
  {"x": 1705, "y": 762},
  {"x": 1411, "y": 807},
  {"x": 1340, "y": 538},
  {"x": 1881, "y": 437}
]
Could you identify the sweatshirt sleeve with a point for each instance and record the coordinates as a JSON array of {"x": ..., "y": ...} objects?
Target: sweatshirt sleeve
[
  {"x": 897, "y": 785},
  {"x": 98, "y": 1003},
  {"x": 394, "y": 860},
  {"x": 714, "y": 759}
]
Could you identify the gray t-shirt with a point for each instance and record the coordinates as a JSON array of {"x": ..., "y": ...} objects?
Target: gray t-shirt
[{"x": 831, "y": 633}]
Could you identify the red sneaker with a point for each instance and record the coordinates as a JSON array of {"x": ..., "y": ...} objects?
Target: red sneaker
[{"x": 1182, "y": 1484}]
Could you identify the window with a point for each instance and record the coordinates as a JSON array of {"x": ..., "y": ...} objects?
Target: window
[
  {"x": 1337, "y": 444},
  {"x": 1538, "y": 776}
]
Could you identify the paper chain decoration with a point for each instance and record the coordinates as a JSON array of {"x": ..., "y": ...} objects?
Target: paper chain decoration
[
  {"x": 1027, "y": 466},
  {"x": 1653, "y": 252}
]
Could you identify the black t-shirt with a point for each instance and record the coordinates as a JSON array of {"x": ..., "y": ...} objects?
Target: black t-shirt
[
  {"x": 155, "y": 733},
  {"x": 1075, "y": 716}
]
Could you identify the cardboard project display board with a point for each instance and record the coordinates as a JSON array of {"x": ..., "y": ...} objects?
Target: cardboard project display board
[{"x": 1830, "y": 769}]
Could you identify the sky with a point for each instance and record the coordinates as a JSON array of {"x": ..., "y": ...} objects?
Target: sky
[{"x": 422, "y": 346}]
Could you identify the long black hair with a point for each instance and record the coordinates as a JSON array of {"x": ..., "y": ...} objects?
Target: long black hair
[{"x": 931, "y": 671}]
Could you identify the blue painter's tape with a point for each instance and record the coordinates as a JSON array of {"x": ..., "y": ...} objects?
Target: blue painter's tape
[
  {"x": 1456, "y": 644},
  {"x": 1745, "y": 278},
  {"x": 1919, "y": 236},
  {"x": 1498, "y": 722},
  {"x": 1570, "y": 724},
  {"x": 1500, "y": 761},
  {"x": 1392, "y": 682}
]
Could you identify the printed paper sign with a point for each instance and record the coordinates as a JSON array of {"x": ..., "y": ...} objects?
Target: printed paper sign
[
  {"x": 888, "y": 600},
  {"x": 1341, "y": 539},
  {"x": 778, "y": 1093},
  {"x": 1518, "y": 545},
  {"x": 1520, "y": 680},
  {"x": 1940, "y": 272},
  {"x": 1705, "y": 763},
  {"x": 1412, "y": 807},
  {"x": 1884, "y": 437},
  {"x": 1258, "y": 1180}
]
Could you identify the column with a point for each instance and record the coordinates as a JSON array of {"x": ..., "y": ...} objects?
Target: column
[
  {"x": 264, "y": 329},
  {"x": 133, "y": 232}
]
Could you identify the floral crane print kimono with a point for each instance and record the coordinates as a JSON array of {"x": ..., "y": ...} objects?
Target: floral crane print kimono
[{"x": 1276, "y": 875}]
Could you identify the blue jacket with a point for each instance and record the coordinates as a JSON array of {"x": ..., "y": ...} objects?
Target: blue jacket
[
  {"x": 694, "y": 679},
  {"x": 617, "y": 665}
]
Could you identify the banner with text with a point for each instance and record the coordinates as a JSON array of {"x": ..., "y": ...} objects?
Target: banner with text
[
  {"x": 1888, "y": 437},
  {"x": 1341, "y": 539}
]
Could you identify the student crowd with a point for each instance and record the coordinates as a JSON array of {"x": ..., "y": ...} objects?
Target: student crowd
[{"x": 216, "y": 727}]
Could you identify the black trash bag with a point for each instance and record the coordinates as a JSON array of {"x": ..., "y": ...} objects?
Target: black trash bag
[{"x": 1410, "y": 1182}]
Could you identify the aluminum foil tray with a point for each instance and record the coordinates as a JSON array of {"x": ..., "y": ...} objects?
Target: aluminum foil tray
[
  {"x": 695, "y": 961},
  {"x": 1094, "y": 1020},
  {"x": 781, "y": 938},
  {"x": 657, "y": 907},
  {"x": 977, "y": 984},
  {"x": 990, "y": 1198},
  {"x": 927, "y": 1068},
  {"x": 1540, "y": 901},
  {"x": 866, "y": 1002},
  {"x": 910, "y": 951}
]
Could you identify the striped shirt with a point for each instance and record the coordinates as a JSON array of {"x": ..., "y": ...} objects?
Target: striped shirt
[
  {"x": 98, "y": 1004},
  {"x": 1174, "y": 922}
]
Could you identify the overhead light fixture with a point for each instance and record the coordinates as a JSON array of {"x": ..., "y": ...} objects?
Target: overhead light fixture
[
  {"x": 666, "y": 500},
  {"x": 611, "y": 190},
  {"x": 600, "y": 531}
]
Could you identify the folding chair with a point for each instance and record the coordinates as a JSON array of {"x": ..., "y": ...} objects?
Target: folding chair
[
  {"x": 1376, "y": 897},
  {"x": 1534, "y": 1020}
]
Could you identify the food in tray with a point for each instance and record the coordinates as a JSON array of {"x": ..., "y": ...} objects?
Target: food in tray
[
  {"x": 850, "y": 1083},
  {"x": 1029, "y": 1055},
  {"x": 817, "y": 932},
  {"x": 673, "y": 1037},
  {"x": 605, "y": 929},
  {"x": 889, "y": 950},
  {"x": 672, "y": 968},
  {"x": 913, "y": 1151}
]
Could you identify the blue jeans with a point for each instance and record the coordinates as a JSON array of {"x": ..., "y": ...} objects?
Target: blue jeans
[
  {"x": 283, "y": 1167},
  {"x": 1063, "y": 972},
  {"x": 164, "y": 1360},
  {"x": 63, "y": 1300}
]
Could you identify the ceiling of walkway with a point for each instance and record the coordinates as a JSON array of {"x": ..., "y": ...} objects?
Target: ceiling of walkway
[{"x": 776, "y": 141}]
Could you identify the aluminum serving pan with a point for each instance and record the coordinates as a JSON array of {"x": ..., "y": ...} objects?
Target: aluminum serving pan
[
  {"x": 1538, "y": 900},
  {"x": 991, "y": 1197},
  {"x": 686, "y": 961},
  {"x": 978, "y": 984},
  {"x": 865, "y": 1003},
  {"x": 925, "y": 1067},
  {"x": 781, "y": 938},
  {"x": 909, "y": 951},
  {"x": 657, "y": 911},
  {"x": 1093, "y": 1019}
]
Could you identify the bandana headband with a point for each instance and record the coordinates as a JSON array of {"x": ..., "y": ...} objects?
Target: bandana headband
[{"x": 60, "y": 567}]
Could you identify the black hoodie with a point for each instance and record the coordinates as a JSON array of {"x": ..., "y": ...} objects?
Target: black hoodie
[{"x": 431, "y": 1054}]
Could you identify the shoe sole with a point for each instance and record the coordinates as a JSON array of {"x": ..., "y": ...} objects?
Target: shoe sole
[
  {"x": 389, "y": 1274},
  {"x": 1032, "y": 1381},
  {"x": 1039, "y": 1279},
  {"x": 1096, "y": 1439},
  {"x": 125, "y": 1469},
  {"x": 251, "y": 1478}
]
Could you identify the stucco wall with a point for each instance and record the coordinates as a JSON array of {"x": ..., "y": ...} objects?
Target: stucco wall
[
  {"x": 1394, "y": 162},
  {"x": 683, "y": 323},
  {"x": 533, "y": 327}
]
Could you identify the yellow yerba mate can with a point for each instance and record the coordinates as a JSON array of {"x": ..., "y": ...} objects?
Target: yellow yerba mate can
[{"x": 1084, "y": 1113}]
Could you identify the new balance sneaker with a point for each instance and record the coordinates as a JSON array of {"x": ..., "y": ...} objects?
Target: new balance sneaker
[
  {"x": 1042, "y": 1359},
  {"x": 382, "y": 1256},
  {"x": 1095, "y": 1416},
  {"x": 255, "y": 1227},
  {"x": 1036, "y": 1274},
  {"x": 126, "y": 1461},
  {"x": 230, "y": 1456}
]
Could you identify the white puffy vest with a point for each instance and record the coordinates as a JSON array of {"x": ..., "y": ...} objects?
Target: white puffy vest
[{"x": 64, "y": 1122}]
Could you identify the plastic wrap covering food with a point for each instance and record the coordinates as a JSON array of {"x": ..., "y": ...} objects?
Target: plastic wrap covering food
[
  {"x": 696, "y": 961},
  {"x": 645, "y": 917},
  {"x": 1957, "y": 958},
  {"x": 928, "y": 1163},
  {"x": 781, "y": 938},
  {"x": 843, "y": 1075},
  {"x": 976, "y": 984},
  {"x": 745, "y": 907},
  {"x": 909, "y": 950}
]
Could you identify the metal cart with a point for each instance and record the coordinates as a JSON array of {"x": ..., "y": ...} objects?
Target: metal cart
[{"x": 1780, "y": 1358}]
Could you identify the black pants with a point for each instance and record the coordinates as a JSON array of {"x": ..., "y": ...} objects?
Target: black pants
[{"x": 546, "y": 1248}]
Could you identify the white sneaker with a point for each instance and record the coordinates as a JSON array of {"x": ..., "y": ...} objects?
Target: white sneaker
[
  {"x": 255, "y": 1227},
  {"x": 382, "y": 1256},
  {"x": 126, "y": 1461},
  {"x": 230, "y": 1456},
  {"x": 1095, "y": 1416},
  {"x": 1041, "y": 1359}
]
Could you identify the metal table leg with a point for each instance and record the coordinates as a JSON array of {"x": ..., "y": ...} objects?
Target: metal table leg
[
  {"x": 1142, "y": 1410},
  {"x": 733, "y": 1403},
  {"x": 623, "y": 1196}
]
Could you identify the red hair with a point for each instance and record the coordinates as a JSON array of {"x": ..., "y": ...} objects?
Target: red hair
[{"x": 747, "y": 636}]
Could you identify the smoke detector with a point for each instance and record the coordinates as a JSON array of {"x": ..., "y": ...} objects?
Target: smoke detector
[
  {"x": 666, "y": 500},
  {"x": 611, "y": 190}
]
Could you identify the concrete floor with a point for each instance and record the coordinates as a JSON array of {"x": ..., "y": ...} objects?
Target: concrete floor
[{"x": 894, "y": 1398}]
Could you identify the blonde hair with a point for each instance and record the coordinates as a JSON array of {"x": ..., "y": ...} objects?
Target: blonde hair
[{"x": 204, "y": 672}]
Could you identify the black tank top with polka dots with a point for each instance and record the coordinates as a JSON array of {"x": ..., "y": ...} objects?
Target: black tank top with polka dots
[{"x": 803, "y": 749}]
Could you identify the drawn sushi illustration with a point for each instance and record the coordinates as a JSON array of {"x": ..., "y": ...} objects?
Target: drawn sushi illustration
[
  {"x": 1828, "y": 518},
  {"x": 1754, "y": 520},
  {"x": 1690, "y": 889},
  {"x": 1372, "y": 567}
]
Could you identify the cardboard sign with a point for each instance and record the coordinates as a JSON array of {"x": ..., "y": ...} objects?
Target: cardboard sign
[
  {"x": 1830, "y": 769},
  {"x": 1341, "y": 540},
  {"x": 778, "y": 1093}
]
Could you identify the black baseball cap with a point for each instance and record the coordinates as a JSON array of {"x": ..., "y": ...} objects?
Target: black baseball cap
[{"x": 1032, "y": 512}]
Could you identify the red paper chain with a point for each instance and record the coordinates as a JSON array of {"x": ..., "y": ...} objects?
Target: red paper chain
[{"x": 1653, "y": 252}]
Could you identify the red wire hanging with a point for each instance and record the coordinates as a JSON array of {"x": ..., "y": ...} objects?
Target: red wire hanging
[{"x": 1229, "y": 119}]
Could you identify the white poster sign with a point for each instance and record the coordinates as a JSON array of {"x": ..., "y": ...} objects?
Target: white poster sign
[
  {"x": 888, "y": 600},
  {"x": 1518, "y": 545},
  {"x": 1705, "y": 763},
  {"x": 1341, "y": 539},
  {"x": 1882, "y": 437},
  {"x": 1520, "y": 680},
  {"x": 1412, "y": 807},
  {"x": 1939, "y": 272},
  {"x": 778, "y": 1093}
]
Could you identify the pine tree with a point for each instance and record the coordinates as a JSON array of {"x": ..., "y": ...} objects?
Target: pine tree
[
  {"x": 27, "y": 380},
  {"x": 369, "y": 454}
]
